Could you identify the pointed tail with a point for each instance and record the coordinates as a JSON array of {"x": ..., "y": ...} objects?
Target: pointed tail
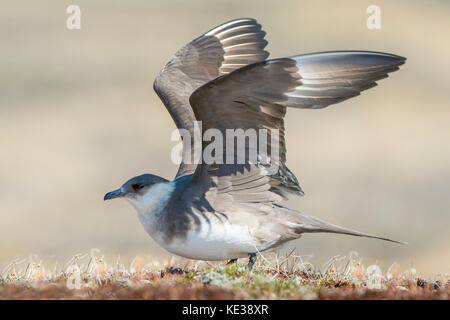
[
  {"x": 331, "y": 228},
  {"x": 309, "y": 224}
]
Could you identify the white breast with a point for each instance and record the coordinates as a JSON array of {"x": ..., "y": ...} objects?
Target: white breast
[{"x": 214, "y": 241}]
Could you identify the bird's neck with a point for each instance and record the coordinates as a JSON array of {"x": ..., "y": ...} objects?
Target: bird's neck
[
  {"x": 155, "y": 200},
  {"x": 152, "y": 209}
]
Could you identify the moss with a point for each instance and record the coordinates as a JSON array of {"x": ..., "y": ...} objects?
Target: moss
[{"x": 266, "y": 281}]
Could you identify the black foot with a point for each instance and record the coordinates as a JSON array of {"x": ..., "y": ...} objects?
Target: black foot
[
  {"x": 232, "y": 261},
  {"x": 251, "y": 261}
]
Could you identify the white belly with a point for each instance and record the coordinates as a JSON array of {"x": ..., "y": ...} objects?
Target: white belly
[{"x": 215, "y": 241}]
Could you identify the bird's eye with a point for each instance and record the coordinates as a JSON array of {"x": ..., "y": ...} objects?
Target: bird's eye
[{"x": 137, "y": 186}]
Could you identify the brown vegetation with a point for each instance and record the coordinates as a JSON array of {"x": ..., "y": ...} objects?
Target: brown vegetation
[{"x": 288, "y": 278}]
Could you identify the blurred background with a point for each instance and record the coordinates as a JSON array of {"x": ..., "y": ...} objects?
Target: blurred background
[{"x": 78, "y": 117}]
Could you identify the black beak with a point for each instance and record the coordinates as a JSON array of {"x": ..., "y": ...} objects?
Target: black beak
[{"x": 114, "y": 194}]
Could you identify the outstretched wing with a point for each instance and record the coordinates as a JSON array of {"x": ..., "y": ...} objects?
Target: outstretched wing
[
  {"x": 256, "y": 97},
  {"x": 224, "y": 49}
]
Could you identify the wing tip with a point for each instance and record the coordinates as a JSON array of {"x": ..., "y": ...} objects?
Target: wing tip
[
  {"x": 228, "y": 24},
  {"x": 395, "y": 59}
]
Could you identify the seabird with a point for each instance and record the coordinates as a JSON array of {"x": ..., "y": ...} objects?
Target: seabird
[{"x": 223, "y": 211}]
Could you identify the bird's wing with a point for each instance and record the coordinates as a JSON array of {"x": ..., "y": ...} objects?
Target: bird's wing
[
  {"x": 224, "y": 49},
  {"x": 256, "y": 97}
]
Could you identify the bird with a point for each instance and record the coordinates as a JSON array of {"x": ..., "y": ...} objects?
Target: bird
[{"x": 224, "y": 80}]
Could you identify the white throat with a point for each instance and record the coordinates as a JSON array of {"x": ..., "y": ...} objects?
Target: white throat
[{"x": 154, "y": 200}]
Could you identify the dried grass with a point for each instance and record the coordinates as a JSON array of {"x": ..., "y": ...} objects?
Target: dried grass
[{"x": 89, "y": 276}]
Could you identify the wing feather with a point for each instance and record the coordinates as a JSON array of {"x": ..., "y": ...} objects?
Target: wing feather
[
  {"x": 256, "y": 96},
  {"x": 221, "y": 50}
]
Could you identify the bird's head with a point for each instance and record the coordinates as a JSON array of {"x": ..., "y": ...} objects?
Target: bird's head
[{"x": 142, "y": 191}]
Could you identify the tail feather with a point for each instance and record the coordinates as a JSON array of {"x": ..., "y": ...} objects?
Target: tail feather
[
  {"x": 304, "y": 223},
  {"x": 331, "y": 228}
]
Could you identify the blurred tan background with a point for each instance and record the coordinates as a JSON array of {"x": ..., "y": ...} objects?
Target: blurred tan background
[{"x": 78, "y": 117}]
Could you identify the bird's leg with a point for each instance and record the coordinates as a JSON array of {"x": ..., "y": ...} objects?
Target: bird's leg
[
  {"x": 231, "y": 261},
  {"x": 251, "y": 261}
]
